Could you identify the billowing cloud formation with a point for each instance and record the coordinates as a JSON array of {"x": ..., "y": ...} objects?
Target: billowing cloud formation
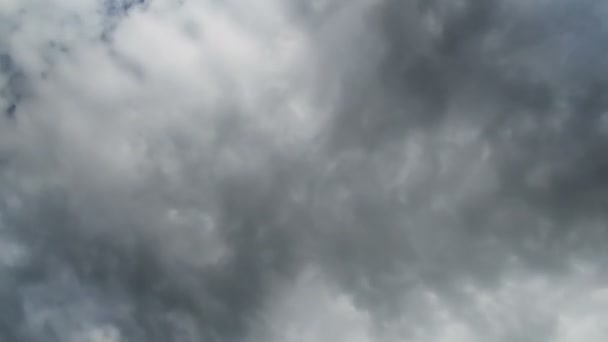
[{"x": 277, "y": 170}]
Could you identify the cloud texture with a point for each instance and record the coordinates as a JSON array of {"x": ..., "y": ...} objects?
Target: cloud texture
[{"x": 303, "y": 171}]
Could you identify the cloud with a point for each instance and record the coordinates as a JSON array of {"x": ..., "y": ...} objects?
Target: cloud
[{"x": 369, "y": 170}]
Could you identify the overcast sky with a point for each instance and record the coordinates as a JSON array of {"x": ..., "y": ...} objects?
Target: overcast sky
[{"x": 303, "y": 170}]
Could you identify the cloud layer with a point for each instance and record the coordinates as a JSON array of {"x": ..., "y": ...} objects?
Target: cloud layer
[{"x": 278, "y": 170}]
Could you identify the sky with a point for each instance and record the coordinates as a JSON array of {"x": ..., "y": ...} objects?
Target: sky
[{"x": 303, "y": 171}]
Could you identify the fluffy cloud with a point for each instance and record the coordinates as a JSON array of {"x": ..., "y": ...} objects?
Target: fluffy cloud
[{"x": 277, "y": 170}]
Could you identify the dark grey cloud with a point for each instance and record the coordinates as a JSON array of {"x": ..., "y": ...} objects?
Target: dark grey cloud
[
  {"x": 362, "y": 170},
  {"x": 15, "y": 85}
]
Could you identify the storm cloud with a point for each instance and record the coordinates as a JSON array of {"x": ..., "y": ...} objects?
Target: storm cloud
[{"x": 282, "y": 170}]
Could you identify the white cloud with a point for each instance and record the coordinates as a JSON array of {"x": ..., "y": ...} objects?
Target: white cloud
[{"x": 310, "y": 310}]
